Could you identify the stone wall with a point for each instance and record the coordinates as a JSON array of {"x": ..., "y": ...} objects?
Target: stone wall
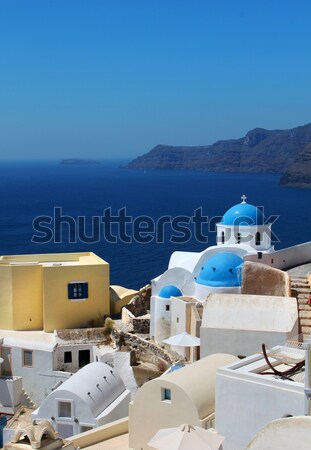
[
  {"x": 80, "y": 336},
  {"x": 259, "y": 279},
  {"x": 142, "y": 347},
  {"x": 140, "y": 325},
  {"x": 136, "y": 314},
  {"x": 140, "y": 304}
]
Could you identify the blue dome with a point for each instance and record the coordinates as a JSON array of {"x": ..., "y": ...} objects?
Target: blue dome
[
  {"x": 243, "y": 214},
  {"x": 170, "y": 291},
  {"x": 221, "y": 270}
]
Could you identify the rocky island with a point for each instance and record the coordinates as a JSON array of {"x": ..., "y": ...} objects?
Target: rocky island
[
  {"x": 260, "y": 151},
  {"x": 78, "y": 162}
]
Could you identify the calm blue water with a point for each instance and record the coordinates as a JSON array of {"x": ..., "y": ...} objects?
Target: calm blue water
[{"x": 32, "y": 189}]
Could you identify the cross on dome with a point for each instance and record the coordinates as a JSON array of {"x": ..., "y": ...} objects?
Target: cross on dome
[{"x": 243, "y": 198}]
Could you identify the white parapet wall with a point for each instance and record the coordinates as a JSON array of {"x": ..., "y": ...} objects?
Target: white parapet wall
[
  {"x": 285, "y": 258},
  {"x": 101, "y": 434},
  {"x": 10, "y": 393},
  {"x": 247, "y": 400}
]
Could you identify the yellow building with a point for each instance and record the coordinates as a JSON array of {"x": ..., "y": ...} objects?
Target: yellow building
[{"x": 52, "y": 291}]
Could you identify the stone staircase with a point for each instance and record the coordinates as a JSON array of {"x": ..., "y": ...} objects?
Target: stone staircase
[
  {"x": 301, "y": 289},
  {"x": 26, "y": 400}
]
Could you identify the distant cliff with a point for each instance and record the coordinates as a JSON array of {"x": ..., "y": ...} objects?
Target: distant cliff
[
  {"x": 298, "y": 174},
  {"x": 259, "y": 151}
]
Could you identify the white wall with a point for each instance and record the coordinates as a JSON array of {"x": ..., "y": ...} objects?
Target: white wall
[
  {"x": 202, "y": 291},
  {"x": 10, "y": 391},
  {"x": 286, "y": 258},
  {"x": 239, "y": 324},
  {"x": 149, "y": 413},
  {"x": 247, "y": 402},
  {"x": 248, "y": 235},
  {"x": 38, "y": 380},
  {"x": 81, "y": 412},
  {"x": 180, "y": 322},
  {"x": 240, "y": 342},
  {"x": 160, "y": 318},
  {"x": 59, "y": 355},
  {"x": 117, "y": 410}
]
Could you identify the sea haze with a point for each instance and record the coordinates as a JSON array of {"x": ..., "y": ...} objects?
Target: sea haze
[{"x": 34, "y": 188}]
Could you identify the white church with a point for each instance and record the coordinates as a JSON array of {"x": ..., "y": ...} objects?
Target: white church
[
  {"x": 242, "y": 235},
  {"x": 241, "y": 232}
]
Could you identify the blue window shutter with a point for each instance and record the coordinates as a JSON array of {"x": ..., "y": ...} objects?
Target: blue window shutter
[
  {"x": 70, "y": 291},
  {"x": 85, "y": 290}
]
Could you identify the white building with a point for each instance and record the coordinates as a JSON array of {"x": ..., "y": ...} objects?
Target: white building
[
  {"x": 240, "y": 233},
  {"x": 238, "y": 324},
  {"x": 30, "y": 355},
  {"x": 186, "y": 395},
  {"x": 45, "y": 360},
  {"x": 92, "y": 397},
  {"x": 173, "y": 316},
  {"x": 249, "y": 395}
]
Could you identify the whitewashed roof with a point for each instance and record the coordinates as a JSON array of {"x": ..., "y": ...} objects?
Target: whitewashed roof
[
  {"x": 186, "y": 260},
  {"x": 197, "y": 380},
  {"x": 250, "y": 312},
  {"x": 97, "y": 384},
  {"x": 32, "y": 340}
]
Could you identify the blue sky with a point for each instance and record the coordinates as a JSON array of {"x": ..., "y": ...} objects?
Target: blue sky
[{"x": 113, "y": 78}]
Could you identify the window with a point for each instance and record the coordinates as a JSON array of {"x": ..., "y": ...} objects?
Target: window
[
  {"x": 27, "y": 358},
  {"x": 177, "y": 320},
  {"x": 67, "y": 357},
  {"x": 259, "y": 254},
  {"x": 258, "y": 238},
  {"x": 222, "y": 237},
  {"x": 84, "y": 428},
  {"x": 84, "y": 358},
  {"x": 166, "y": 394},
  {"x": 167, "y": 307},
  {"x": 64, "y": 409},
  {"x": 78, "y": 290}
]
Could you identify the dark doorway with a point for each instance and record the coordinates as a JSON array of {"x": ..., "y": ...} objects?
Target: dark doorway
[
  {"x": 84, "y": 358},
  {"x": 7, "y": 361}
]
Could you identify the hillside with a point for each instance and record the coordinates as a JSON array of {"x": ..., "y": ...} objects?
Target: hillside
[
  {"x": 260, "y": 150},
  {"x": 298, "y": 174}
]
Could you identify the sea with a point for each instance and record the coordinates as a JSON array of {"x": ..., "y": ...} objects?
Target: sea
[{"x": 134, "y": 219}]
